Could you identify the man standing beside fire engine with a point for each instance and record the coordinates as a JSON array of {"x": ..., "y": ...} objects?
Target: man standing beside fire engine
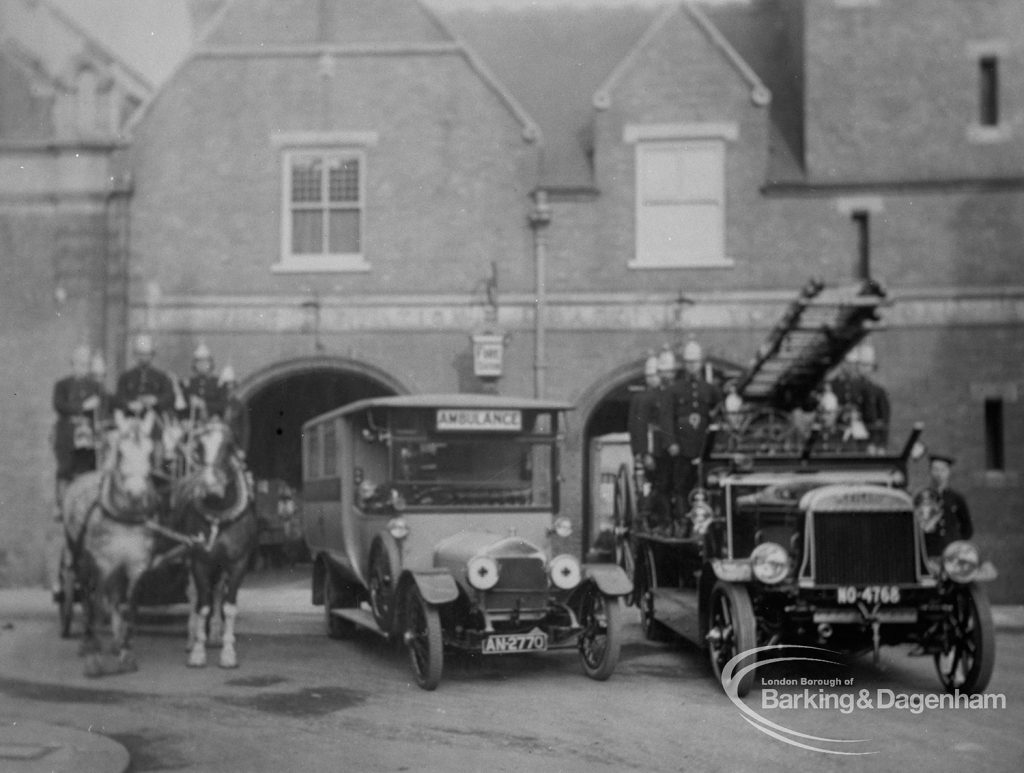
[{"x": 691, "y": 401}]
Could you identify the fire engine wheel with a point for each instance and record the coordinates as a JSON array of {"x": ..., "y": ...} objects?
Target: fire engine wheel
[
  {"x": 601, "y": 638},
  {"x": 334, "y": 598},
  {"x": 653, "y": 629},
  {"x": 68, "y": 589},
  {"x": 382, "y": 593},
  {"x": 967, "y": 663},
  {"x": 422, "y": 638},
  {"x": 732, "y": 629}
]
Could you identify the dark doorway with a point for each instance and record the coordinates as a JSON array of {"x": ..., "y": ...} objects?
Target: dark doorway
[
  {"x": 278, "y": 411},
  {"x": 606, "y": 448}
]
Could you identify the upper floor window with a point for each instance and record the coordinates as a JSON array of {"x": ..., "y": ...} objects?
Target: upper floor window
[
  {"x": 680, "y": 195},
  {"x": 988, "y": 91},
  {"x": 989, "y": 123},
  {"x": 323, "y": 202}
]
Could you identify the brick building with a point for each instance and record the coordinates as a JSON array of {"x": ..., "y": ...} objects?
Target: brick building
[
  {"x": 335, "y": 195},
  {"x": 64, "y": 100}
]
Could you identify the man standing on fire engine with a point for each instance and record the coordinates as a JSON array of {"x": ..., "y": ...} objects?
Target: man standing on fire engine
[
  {"x": 643, "y": 412},
  {"x": 691, "y": 401}
]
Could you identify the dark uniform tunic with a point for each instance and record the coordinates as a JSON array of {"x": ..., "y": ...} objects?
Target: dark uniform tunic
[
  {"x": 145, "y": 380},
  {"x": 68, "y": 395},
  {"x": 207, "y": 388},
  {"x": 690, "y": 403},
  {"x": 877, "y": 412},
  {"x": 954, "y": 523}
]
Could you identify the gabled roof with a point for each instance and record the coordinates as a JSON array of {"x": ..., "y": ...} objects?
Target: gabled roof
[
  {"x": 43, "y": 53},
  {"x": 553, "y": 57},
  {"x": 298, "y": 22},
  {"x": 561, "y": 59},
  {"x": 56, "y": 44}
]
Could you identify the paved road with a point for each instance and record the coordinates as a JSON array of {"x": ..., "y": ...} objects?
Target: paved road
[{"x": 301, "y": 702}]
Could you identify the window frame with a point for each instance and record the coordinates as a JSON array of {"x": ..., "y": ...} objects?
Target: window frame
[
  {"x": 328, "y": 147},
  {"x": 680, "y": 138}
]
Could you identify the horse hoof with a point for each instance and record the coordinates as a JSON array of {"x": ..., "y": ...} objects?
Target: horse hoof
[
  {"x": 228, "y": 660},
  {"x": 197, "y": 660},
  {"x": 92, "y": 668},
  {"x": 128, "y": 663}
]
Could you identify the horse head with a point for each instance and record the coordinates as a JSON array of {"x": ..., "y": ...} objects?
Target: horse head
[
  {"x": 213, "y": 450},
  {"x": 131, "y": 456}
]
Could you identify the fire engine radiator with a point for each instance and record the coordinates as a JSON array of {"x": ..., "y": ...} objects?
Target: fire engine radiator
[{"x": 864, "y": 548}]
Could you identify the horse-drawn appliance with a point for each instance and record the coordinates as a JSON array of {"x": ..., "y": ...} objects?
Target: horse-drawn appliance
[
  {"x": 172, "y": 507},
  {"x": 800, "y": 531},
  {"x": 432, "y": 520}
]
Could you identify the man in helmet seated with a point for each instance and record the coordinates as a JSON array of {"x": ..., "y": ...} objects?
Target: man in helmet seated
[
  {"x": 144, "y": 387},
  {"x": 204, "y": 395}
]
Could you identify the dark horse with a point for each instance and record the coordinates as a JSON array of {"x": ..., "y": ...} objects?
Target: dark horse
[
  {"x": 211, "y": 502},
  {"x": 105, "y": 515}
]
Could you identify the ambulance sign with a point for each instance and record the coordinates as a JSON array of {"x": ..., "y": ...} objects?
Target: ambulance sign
[{"x": 478, "y": 420}]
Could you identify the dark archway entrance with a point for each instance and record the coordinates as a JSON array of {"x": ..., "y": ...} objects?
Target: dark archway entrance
[
  {"x": 606, "y": 447},
  {"x": 278, "y": 409}
]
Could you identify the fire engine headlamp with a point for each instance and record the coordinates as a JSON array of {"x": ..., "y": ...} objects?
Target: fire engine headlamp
[
  {"x": 961, "y": 561},
  {"x": 398, "y": 528},
  {"x": 563, "y": 527},
  {"x": 565, "y": 571},
  {"x": 482, "y": 572},
  {"x": 770, "y": 563}
]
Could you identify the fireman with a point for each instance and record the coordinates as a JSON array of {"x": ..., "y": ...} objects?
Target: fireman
[
  {"x": 643, "y": 413},
  {"x": 76, "y": 399},
  {"x": 877, "y": 410},
  {"x": 942, "y": 510},
  {"x": 692, "y": 401},
  {"x": 144, "y": 386},
  {"x": 204, "y": 395}
]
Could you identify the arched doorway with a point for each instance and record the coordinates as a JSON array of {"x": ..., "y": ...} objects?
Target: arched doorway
[
  {"x": 280, "y": 399},
  {"x": 605, "y": 443}
]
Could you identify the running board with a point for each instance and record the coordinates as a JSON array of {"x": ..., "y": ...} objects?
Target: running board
[
  {"x": 679, "y": 610},
  {"x": 361, "y": 617}
]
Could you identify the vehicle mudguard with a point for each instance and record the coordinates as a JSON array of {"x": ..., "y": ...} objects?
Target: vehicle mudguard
[
  {"x": 610, "y": 579},
  {"x": 436, "y": 586}
]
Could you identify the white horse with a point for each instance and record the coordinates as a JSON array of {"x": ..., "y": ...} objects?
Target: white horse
[{"x": 104, "y": 515}]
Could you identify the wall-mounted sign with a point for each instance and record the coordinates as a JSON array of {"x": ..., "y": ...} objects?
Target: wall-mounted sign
[{"x": 488, "y": 354}]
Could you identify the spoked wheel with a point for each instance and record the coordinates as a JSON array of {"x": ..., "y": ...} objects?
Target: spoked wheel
[
  {"x": 334, "y": 598},
  {"x": 601, "y": 639},
  {"x": 422, "y": 638},
  {"x": 653, "y": 629},
  {"x": 382, "y": 594},
  {"x": 624, "y": 510},
  {"x": 732, "y": 629},
  {"x": 68, "y": 588},
  {"x": 967, "y": 663}
]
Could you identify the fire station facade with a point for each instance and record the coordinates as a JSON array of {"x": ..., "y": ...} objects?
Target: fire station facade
[{"x": 337, "y": 197}]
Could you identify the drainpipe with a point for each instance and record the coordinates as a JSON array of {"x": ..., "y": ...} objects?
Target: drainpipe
[{"x": 540, "y": 218}]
